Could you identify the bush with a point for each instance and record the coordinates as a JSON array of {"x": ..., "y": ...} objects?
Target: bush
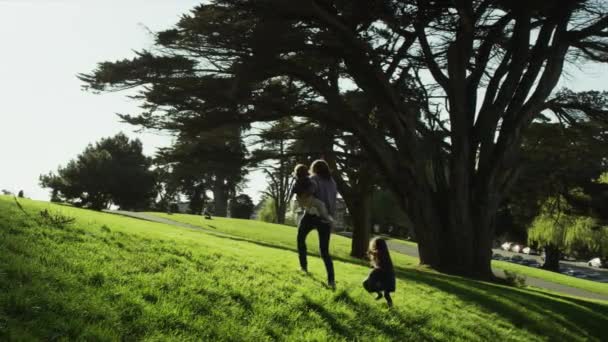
[
  {"x": 56, "y": 220},
  {"x": 515, "y": 279},
  {"x": 267, "y": 213}
]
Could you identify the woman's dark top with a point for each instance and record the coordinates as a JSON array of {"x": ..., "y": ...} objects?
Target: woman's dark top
[{"x": 326, "y": 190}]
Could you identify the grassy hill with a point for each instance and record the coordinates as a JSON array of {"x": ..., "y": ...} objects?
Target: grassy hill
[
  {"x": 285, "y": 236},
  {"x": 105, "y": 277}
]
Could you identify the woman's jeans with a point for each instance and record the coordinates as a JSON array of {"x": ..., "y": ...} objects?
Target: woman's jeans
[{"x": 308, "y": 223}]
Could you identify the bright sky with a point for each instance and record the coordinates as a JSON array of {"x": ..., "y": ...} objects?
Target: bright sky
[{"x": 45, "y": 117}]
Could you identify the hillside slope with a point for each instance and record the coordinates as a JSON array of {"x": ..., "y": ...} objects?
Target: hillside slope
[
  {"x": 105, "y": 277},
  {"x": 286, "y": 236}
]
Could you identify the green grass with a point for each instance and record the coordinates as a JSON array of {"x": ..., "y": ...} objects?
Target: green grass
[
  {"x": 285, "y": 236},
  {"x": 275, "y": 234},
  {"x": 559, "y": 278},
  {"x": 107, "y": 278}
]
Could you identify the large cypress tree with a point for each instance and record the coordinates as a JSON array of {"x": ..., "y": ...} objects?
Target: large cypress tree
[{"x": 451, "y": 87}]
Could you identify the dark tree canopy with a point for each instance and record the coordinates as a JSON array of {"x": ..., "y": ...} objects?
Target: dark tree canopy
[
  {"x": 210, "y": 160},
  {"x": 446, "y": 90},
  {"x": 113, "y": 170},
  {"x": 241, "y": 206}
]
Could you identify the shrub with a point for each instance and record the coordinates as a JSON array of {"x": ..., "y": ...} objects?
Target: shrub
[{"x": 515, "y": 279}]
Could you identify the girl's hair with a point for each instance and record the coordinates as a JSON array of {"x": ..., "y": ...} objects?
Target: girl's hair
[
  {"x": 300, "y": 171},
  {"x": 319, "y": 167},
  {"x": 379, "y": 255}
]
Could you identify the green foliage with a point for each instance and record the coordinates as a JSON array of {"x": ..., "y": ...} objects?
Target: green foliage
[
  {"x": 285, "y": 237},
  {"x": 114, "y": 170},
  {"x": 559, "y": 226},
  {"x": 603, "y": 178},
  {"x": 212, "y": 159},
  {"x": 515, "y": 279},
  {"x": 387, "y": 211},
  {"x": 149, "y": 281},
  {"x": 241, "y": 207},
  {"x": 557, "y": 160},
  {"x": 267, "y": 211},
  {"x": 57, "y": 220},
  {"x": 20, "y": 194}
]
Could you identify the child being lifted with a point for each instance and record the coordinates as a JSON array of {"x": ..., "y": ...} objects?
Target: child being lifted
[{"x": 304, "y": 189}]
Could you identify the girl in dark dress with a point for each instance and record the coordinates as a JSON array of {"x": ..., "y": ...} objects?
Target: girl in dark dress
[{"x": 382, "y": 278}]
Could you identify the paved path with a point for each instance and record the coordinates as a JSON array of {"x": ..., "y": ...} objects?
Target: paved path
[
  {"x": 153, "y": 218},
  {"x": 398, "y": 247}
]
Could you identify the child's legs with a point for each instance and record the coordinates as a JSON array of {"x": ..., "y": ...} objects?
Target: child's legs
[{"x": 389, "y": 300}]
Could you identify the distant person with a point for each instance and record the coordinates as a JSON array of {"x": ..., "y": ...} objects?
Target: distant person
[
  {"x": 323, "y": 188},
  {"x": 382, "y": 278},
  {"x": 206, "y": 214}
]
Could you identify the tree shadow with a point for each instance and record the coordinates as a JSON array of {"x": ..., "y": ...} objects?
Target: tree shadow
[
  {"x": 313, "y": 253},
  {"x": 536, "y": 311},
  {"x": 336, "y": 325},
  {"x": 378, "y": 314}
]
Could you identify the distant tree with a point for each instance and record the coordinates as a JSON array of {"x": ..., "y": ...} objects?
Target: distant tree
[
  {"x": 20, "y": 194},
  {"x": 561, "y": 228},
  {"x": 556, "y": 158},
  {"x": 114, "y": 170},
  {"x": 241, "y": 207},
  {"x": 386, "y": 211},
  {"x": 211, "y": 160},
  {"x": 6, "y": 192},
  {"x": 275, "y": 156},
  {"x": 267, "y": 211}
]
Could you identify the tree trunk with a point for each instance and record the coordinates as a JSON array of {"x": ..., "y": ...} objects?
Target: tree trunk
[
  {"x": 197, "y": 201},
  {"x": 448, "y": 245},
  {"x": 281, "y": 209},
  {"x": 552, "y": 256},
  {"x": 220, "y": 198},
  {"x": 360, "y": 210}
]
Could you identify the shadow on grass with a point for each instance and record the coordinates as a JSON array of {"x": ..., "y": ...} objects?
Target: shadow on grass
[
  {"x": 377, "y": 315},
  {"x": 349, "y": 260},
  {"x": 539, "y": 312},
  {"x": 536, "y": 311},
  {"x": 335, "y": 323}
]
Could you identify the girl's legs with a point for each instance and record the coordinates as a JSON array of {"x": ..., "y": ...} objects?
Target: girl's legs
[{"x": 389, "y": 300}]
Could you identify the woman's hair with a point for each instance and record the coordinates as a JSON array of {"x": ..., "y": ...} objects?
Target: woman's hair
[
  {"x": 300, "y": 171},
  {"x": 379, "y": 255},
  {"x": 319, "y": 167}
]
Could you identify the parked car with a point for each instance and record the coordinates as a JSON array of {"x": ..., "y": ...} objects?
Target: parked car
[
  {"x": 516, "y": 248},
  {"x": 497, "y": 256},
  {"x": 571, "y": 272},
  {"x": 517, "y": 259},
  {"x": 528, "y": 250},
  {"x": 506, "y": 246},
  {"x": 595, "y": 262},
  {"x": 528, "y": 262}
]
